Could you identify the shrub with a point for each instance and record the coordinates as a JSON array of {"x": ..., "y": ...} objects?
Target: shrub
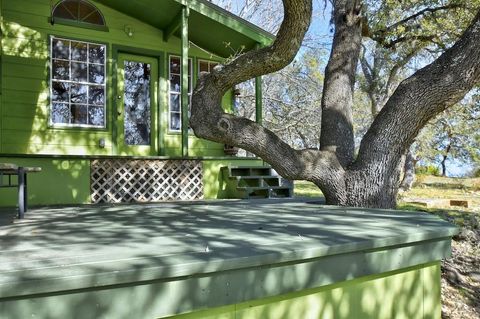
[
  {"x": 428, "y": 170},
  {"x": 476, "y": 172}
]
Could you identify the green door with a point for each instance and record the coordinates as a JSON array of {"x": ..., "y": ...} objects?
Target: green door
[{"x": 137, "y": 126}]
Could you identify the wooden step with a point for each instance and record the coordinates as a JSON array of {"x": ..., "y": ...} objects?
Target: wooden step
[
  {"x": 248, "y": 170},
  {"x": 254, "y": 182},
  {"x": 265, "y": 192}
]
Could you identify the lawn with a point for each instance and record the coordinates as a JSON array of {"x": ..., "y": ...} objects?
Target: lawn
[{"x": 461, "y": 273}]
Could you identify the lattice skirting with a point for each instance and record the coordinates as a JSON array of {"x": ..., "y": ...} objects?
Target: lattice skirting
[{"x": 123, "y": 180}]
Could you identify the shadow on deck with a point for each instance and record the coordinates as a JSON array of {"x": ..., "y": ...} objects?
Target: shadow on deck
[{"x": 163, "y": 259}]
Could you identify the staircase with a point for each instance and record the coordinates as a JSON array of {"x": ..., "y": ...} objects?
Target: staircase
[{"x": 254, "y": 182}]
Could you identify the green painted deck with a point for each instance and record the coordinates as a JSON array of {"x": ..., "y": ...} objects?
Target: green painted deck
[{"x": 234, "y": 258}]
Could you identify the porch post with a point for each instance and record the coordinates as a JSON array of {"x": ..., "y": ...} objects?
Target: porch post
[
  {"x": 184, "y": 87},
  {"x": 258, "y": 96},
  {"x": 258, "y": 100}
]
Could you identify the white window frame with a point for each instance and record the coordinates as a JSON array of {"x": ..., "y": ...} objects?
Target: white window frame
[
  {"x": 170, "y": 92},
  {"x": 69, "y": 103},
  {"x": 210, "y": 62}
]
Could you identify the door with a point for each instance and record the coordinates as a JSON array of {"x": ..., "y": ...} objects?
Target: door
[{"x": 137, "y": 105}]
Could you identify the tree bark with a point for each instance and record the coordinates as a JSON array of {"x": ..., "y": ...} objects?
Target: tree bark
[
  {"x": 337, "y": 99},
  {"x": 408, "y": 172}
]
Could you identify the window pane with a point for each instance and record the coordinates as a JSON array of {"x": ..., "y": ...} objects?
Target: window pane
[
  {"x": 96, "y": 74},
  {"x": 96, "y": 53},
  {"x": 94, "y": 18},
  {"x": 71, "y": 6},
  {"x": 60, "y": 113},
  {"x": 175, "y": 121},
  {"x": 175, "y": 102},
  {"x": 174, "y": 65},
  {"x": 60, "y": 70},
  {"x": 61, "y": 49},
  {"x": 60, "y": 91},
  {"x": 79, "y": 93},
  {"x": 79, "y": 51},
  {"x": 175, "y": 83},
  {"x": 203, "y": 67},
  {"x": 137, "y": 103},
  {"x": 79, "y": 114},
  {"x": 96, "y": 95},
  {"x": 84, "y": 11},
  {"x": 96, "y": 115},
  {"x": 62, "y": 11},
  {"x": 79, "y": 72}
]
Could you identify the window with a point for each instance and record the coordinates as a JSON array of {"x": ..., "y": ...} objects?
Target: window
[
  {"x": 77, "y": 83},
  {"x": 79, "y": 11},
  {"x": 206, "y": 66},
  {"x": 175, "y": 109}
]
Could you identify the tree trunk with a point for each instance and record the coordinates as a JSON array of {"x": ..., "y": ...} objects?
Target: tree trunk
[
  {"x": 339, "y": 83},
  {"x": 444, "y": 165},
  {"x": 408, "y": 172},
  {"x": 447, "y": 151}
]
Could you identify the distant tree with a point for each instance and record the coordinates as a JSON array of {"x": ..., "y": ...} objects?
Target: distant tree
[
  {"x": 453, "y": 136},
  {"x": 371, "y": 177}
]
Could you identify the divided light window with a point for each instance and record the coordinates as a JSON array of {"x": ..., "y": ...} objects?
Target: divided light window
[
  {"x": 206, "y": 66},
  {"x": 175, "y": 109},
  {"x": 77, "y": 83},
  {"x": 79, "y": 11}
]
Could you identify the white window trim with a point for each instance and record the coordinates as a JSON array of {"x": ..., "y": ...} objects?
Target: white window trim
[
  {"x": 170, "y": 92},
  {"x": 104, "y": 85},
  {"x": 210, "y": 62}
]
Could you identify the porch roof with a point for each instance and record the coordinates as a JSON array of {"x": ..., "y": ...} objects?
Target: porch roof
[{"x": 210, "y": 27}]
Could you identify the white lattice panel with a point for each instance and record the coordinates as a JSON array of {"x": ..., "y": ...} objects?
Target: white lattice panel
[{"x": 123, "y": 180}]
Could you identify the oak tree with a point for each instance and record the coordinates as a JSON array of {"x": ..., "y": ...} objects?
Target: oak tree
[{"x": 370, "y": 177}]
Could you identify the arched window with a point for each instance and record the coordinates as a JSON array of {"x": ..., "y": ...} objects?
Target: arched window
[{"x": 77, "y": 11}]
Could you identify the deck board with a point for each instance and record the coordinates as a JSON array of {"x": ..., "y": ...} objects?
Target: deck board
[{"x": 68, "y": 248}]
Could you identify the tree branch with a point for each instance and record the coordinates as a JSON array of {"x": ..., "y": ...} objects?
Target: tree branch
[
  {"x": 416, "y": 15},
  {"x": 381, "y": 34},
  {"x": 210, "y": 122},
  {"x": 420, "y": 97}
]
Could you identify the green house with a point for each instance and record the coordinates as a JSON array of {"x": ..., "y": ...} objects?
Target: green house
[{"x": 94, "y": 93}]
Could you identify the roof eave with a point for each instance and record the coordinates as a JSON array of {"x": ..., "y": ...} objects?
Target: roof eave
[{"x": 230, "y": 20}]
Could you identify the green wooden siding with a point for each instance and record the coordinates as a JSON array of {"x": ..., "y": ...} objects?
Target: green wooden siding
[
  {"x": 24, "y": 105},
  {"x": 413, "y": 293},
  {"x": 62, "y": 181},
  {"x": 68, "y": 178},
  {"x": 213, "y": 181}
]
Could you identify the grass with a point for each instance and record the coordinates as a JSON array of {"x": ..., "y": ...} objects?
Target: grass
[{"x": 306, "y": 189}]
